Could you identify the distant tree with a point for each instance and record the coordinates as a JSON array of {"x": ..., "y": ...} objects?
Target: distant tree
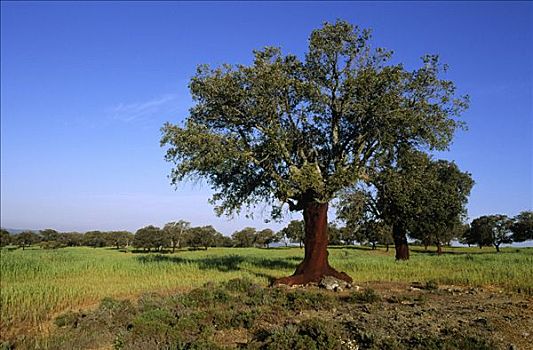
[
  {"x": 335, "y": 234},
  {"x": 295, "y": 132},
  {"x": 355, "y": 208},
  {"x": 119, "y": 239},
  {"x": 26, "y": 239},
  {"x": 375, "y": 232},
  {"x": 49, "y": 235},
  {"x": 281, "y": 237},
  {"x": 71, "y": 239},
  {"x": 522, "y": 227},
  {"x": 244, "y": 237},
  {"x": 95, "y": 239},
  {"x": 222, "y": 241},
  {"x": 295, "y": 232},
  {"x": 5, "y": 238},
  {"x": 265, "y": 237},
  {"x": 177, "y": 233},
  {"x": 422, "y": 197},
  {"x": 202, "y": 236},
  {"x": 150, "y": 237},
  {"x": 490, "y": 230}
]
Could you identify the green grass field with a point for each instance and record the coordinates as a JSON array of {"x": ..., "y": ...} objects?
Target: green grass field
[{"x": 38, "y": 284}]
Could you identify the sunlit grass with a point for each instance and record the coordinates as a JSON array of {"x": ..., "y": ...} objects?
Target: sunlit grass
[{"x": 36, "y": 284}]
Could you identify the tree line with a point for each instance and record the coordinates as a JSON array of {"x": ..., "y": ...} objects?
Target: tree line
[
  {"x": 172, "y": 236},
  {"x": 488, "y": 230}
]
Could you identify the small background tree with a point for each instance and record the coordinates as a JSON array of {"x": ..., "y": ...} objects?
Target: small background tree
[
  {"x": 245, "y": 237},
  {"x": 294, "y": 231},
  {"x": 522, "y": 227},
  {"x": 490, "y": 230},
  {"x": 176, "y": 233},
  {"x": 202, "y": 236},
  {"x": 26, "y": 239},
  {"x": 150, "y": 237},
  {"x": 265, "y": 237},
  {"x": 5, "y": 238}
]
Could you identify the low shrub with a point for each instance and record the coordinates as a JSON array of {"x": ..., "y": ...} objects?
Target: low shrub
[{"x": 365, "y": 296}]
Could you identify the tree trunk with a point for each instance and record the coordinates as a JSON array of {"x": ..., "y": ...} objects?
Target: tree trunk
[
  {"x": 439, "y": 248},
  {"x": 497, "y": 248},
  {"x": 387, "y": 247},
  {"x": 400, "y": 243},
  {"x": 315, "y": 264}
]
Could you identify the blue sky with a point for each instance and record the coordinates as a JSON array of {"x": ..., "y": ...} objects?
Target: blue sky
[{"x": 85, "y": 88}]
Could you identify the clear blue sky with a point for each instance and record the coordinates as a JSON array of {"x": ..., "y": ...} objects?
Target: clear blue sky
[{"x": 86, "y": 87}]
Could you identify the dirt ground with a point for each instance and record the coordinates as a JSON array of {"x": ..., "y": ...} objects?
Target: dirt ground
[{"x": 506, "y": 319}]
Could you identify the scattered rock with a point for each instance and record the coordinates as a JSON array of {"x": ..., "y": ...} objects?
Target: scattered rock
[{"x": 332, "y": 283}]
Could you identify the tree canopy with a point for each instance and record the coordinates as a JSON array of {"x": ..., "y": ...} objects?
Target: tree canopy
[
  {"x": 489, "y": 230},
  {"x": 297, "y": 130},
  {"x": 287, "y": 130},
  {"x": 522, "y": 227}
]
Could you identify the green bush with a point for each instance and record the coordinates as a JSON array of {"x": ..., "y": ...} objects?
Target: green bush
[
  {"x": 241, "y": 285},
  {"x": 366, "y": 296},
  {"x": 67, "y": 319},
  {"x": 310, "y": 334},
  {"x": 305, "y": 299}
]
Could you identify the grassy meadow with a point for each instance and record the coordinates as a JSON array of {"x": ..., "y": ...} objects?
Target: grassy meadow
[{"x": 37, "y": 285}]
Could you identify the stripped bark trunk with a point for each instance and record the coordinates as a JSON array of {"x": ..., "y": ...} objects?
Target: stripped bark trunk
[
  {"x": 315, "y": 264},
  {"x": 400, "y": 243}
]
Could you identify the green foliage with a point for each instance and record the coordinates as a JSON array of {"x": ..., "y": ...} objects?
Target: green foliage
[
  {"x": 310, "y": 334},
  {"x": 294, "y": 231},
  {"x": 119, "y": 239},
  {"x": 238, "y": 285},
  {"x": 365, "y": 296},
  {"x": 71, "y": 239},
  {"x": 245, "y": 237},
  {"x": 26, "y": 239},
  {"x": 266, "y": 237},
  {"x": 68, "y": 319},
  {"x": 5, "y": 238},
  {"x": 204, "y": 236},
  {"x": 49, "y": 235},
  {"x": 177, "y": 233},
  {"x": 150, "y": 237},
  {"x": 298, "y": 300},
  {"x": 285, "y": 130},
  {"x": 51, "y": 245},
  {"x": 489, "y": 230},
  {"x": 94, "y": 239},
  {"x": 375, "y": 232},
  {"x": 423, "y": 196},
  {"x": 522, "y": 227}
]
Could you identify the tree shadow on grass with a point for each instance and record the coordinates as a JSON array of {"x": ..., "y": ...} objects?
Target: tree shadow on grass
[
  {"x": 221, "y": 263},
  {"x": 450, "y": 251},
  {"x": 365, "y": 248}
]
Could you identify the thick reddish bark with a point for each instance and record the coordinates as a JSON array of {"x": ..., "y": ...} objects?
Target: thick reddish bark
[
  {"x": 400, "y": 243},
  {"x": 315, "y": 264},
  {"x": 439, "y": 248}
]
